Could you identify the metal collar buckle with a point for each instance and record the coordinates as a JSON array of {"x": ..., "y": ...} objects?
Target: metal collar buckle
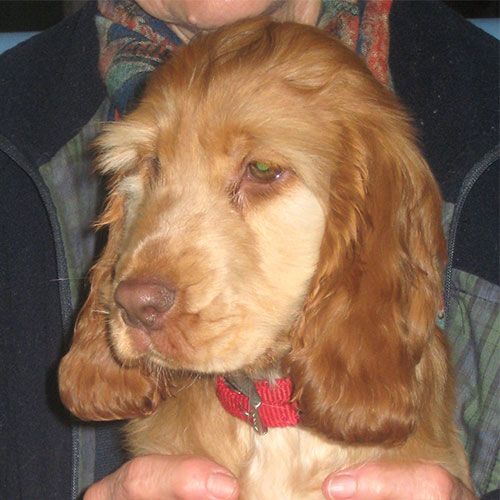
[{"x": 243, "y": 384}]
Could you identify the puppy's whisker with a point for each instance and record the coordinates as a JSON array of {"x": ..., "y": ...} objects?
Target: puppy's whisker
[
  {"x": 66, "y": 279},
  {"x": 192, "y": 378},
  {"x": 101, "y": 311}
]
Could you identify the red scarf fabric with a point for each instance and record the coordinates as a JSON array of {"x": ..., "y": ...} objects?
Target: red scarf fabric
[{"x": 132, "y": 43}]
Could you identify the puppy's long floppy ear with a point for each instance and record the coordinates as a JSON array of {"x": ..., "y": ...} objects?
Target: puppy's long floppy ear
[
  {"x": 92, "y": 384},
  {"x": 372, "y": 305}
]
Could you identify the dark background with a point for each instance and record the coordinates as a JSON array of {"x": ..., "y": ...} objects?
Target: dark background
[{"x": 20, "y": 15}]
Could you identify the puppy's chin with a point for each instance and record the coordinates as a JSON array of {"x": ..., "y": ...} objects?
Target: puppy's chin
[{"x": 169, "y": 348}]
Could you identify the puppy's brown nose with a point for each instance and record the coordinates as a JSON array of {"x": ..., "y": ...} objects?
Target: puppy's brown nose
[{"x": 144, "y": 305}]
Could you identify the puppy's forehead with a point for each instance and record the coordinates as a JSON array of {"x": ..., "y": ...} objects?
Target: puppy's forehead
[
  {"x": 203, "y": 145},
  {"x": 206, "y": 133},
  {"x": 212, "y": 145},
  {"x": 212, "y": 109}
]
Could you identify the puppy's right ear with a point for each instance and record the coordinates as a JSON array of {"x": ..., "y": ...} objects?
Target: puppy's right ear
[{"x": 93, "y": 385}]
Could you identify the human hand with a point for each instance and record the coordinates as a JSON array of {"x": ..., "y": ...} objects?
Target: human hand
[
  {"x": 155, "y": 477},
  {"x": 391, "y": 481}
]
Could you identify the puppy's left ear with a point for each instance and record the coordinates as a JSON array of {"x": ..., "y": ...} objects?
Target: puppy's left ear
[{"x": 372, "y": 305}]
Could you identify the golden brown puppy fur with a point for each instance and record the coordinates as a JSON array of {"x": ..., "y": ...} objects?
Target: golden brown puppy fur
[{"x": 328, "y": 272}]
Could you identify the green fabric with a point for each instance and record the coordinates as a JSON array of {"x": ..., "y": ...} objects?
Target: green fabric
[
  {"x": 77, "y": 195},
  {"x": 473, "y": 328}
]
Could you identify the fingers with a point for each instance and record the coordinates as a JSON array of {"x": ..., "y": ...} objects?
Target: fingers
[
  {"x": 390, "y": 481},
  {"x": 167, "y": 478},
  {"x": 195, "y": 478}
]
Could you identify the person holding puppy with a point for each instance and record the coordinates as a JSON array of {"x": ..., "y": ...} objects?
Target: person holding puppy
[{"x": 132, "y": 40}]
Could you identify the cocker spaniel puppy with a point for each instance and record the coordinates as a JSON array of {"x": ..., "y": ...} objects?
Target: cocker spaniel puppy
[{"x": 273, "y": 261}]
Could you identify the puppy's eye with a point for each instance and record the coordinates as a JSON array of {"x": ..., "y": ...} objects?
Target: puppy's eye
[{"x": 264, "y": 172}]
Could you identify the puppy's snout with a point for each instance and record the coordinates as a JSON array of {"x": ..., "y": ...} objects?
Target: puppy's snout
[{"x": 144, "y": 304}]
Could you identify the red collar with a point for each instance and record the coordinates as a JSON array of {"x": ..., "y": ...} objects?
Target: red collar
[{"x": 275, "y": 409}]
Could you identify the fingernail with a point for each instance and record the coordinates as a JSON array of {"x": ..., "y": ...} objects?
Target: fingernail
[
  {"x": 221, "y": 485},
  {"x": 341, "y": 487}
]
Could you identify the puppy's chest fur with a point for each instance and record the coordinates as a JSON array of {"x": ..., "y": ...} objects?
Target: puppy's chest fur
[{"x": 289, "y": 463}]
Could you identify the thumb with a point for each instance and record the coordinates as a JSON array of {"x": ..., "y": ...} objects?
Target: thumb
[
  {"x": 389, "y": 481},
  {"x": 164, "y": 477}
]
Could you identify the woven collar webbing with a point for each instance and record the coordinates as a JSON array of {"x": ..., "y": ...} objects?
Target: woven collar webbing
[{"x": 276, "y": 410}]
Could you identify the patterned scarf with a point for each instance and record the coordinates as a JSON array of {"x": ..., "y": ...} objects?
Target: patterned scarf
[{"x": 132, "y": 43}]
